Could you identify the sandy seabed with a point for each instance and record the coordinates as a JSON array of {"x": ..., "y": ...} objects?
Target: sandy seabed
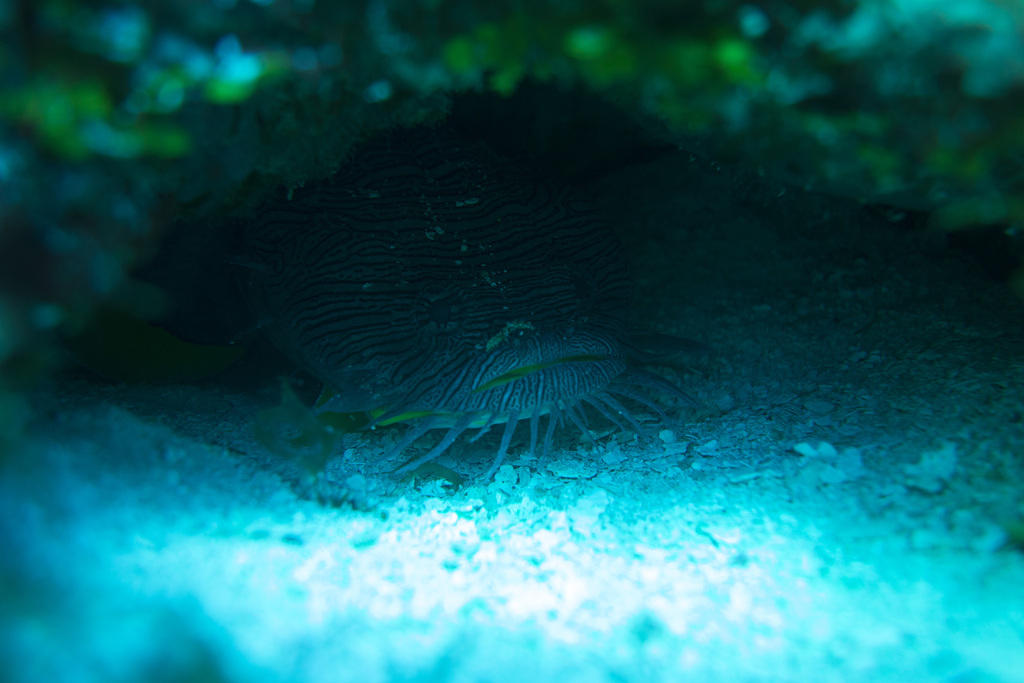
[{"x": 838, "y": 506}]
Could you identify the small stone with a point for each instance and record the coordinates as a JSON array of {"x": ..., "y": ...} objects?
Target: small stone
[
  {"x": 830, "y": 474},
  {"x": 724, "y": 402},
  {"x": 823, "y": 450},
  {"x": 709, "y": 448},
  {"x": 933, "y": 470},
  {"x": 572, "y": 469},
  {"x": 805, "y": 449},
  {"x": 525, "y": 475},
  {"x": 827, "y": 450},
  {"x": 851, "y": 463},
  {"x": 613, "y": 455},
  {"x": 357, "y": 483},
  {"x": 506, "y": 476}
]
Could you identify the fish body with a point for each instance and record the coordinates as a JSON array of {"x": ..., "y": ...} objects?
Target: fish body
[{"x": 428, "y": 277}]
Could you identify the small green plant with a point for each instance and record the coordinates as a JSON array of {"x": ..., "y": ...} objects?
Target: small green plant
[{"x": 294, "y": 431}]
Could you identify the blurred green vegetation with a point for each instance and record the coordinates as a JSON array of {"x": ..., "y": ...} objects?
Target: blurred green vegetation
[
  {"x": 790, "y": 92},
  {"x": 75, "y": 119},
  {"x": 758, "y": 79},
  {"x": 296, "y": 432}
]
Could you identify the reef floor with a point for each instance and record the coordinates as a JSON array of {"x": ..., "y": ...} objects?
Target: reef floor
[{"x": 843, "y": 504}]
